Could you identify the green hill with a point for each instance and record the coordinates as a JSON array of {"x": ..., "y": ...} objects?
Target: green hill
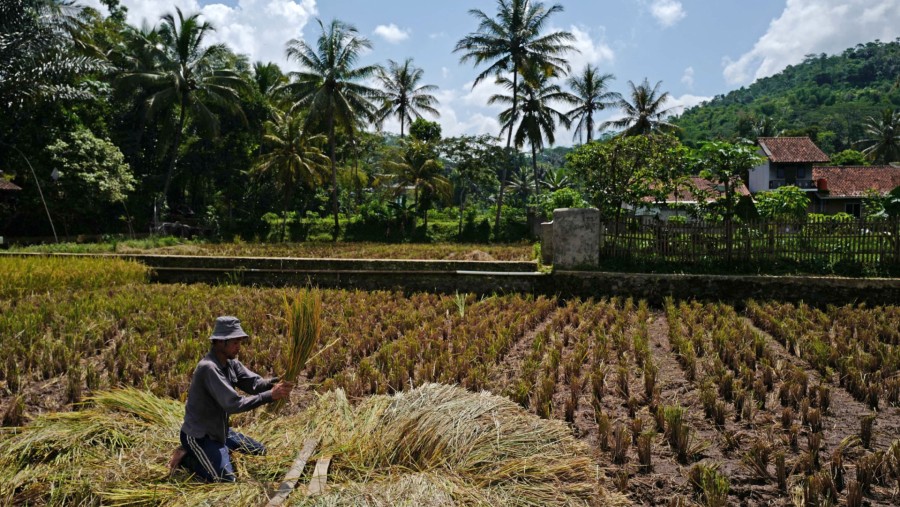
[{"x": 825, "y": 97}]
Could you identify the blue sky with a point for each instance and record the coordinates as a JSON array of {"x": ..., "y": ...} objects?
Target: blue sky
[{"x": 697, "y": 48}]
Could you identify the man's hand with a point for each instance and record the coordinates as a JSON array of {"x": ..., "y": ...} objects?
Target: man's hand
[{"x": 282, "y": 390}]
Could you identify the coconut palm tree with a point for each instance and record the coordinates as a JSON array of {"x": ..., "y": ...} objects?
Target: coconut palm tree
[
  {"x": 43, "y": 52},
  {"x": 294, "y": 157},
  {"x": 419, "y": 167},
  {"x": 645, "y": 113},
  {"x": 536, "y": 95},
  {"x": 328, "y": 86},
  {"x": 189, "y": 77},
  {"x": 592, "y": 91},
  {"x": 883, "y": 137},
  {"x": 508, "y": 42},
  {"x": 402, "y": 96}
]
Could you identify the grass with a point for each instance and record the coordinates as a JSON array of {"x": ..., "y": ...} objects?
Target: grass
[
  {"x": 341, "y": 250},
  {"x": 28, "y": 275},
  {"x": 435, "y": 443}
]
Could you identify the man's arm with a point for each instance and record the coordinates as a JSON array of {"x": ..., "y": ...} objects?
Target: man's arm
[
  {"x": 249, "y": 381},
  {"x": 220, "y": 389}
]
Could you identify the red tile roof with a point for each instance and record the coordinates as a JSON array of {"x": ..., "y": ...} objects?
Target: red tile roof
[
  {"x": 8, "y": 185},
  {"x": 853, "y": 181},
  {"x": 686, "y": 193},
  {"x": 791, "y": 150}
]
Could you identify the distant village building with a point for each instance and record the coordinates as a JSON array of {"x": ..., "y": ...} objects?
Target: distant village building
[{"x": 831, "y": 189}]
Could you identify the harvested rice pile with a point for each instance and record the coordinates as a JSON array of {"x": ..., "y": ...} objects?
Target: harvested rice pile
[{"x": 434, "y": 445}]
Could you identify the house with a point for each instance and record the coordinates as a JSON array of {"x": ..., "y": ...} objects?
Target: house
[
  {"x": 841, "y": 189},
  {"x": 789, "y": 161},
  {"x": 686, "y": 197}
]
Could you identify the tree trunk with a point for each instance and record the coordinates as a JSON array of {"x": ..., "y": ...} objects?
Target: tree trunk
[
  {"x": 334, "y": 189},
  {"x": 537, "y": 190},
  {"x": 462, "y": 209},
  {"x": 171, "y": 170},
  {"x": 512, "y": 123}
]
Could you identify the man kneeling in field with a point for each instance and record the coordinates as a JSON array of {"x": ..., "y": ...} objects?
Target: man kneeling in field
[{"x": 206, "y": 438}]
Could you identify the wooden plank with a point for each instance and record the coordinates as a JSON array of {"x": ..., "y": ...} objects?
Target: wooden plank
[
  {"x": 320, "y": 476},
  {"x": 293, "y": 475}
]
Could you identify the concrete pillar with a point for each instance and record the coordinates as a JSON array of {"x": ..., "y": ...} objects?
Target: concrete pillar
[
  {"x": 576, "y": 238},
  {"x": 547, "y": 243}
]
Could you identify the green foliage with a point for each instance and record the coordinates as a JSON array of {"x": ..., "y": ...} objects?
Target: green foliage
[
  {"x": 426, "y": 131},
  {"x": 849, "y": 157},
  {"x": 827, "y": 97},
  {"x": 623, "y": 170},
  {"x": 726, "y": 164},
  {"x": 562, "y": 198},
  {"x": 90, "y": 168},
  {"x": 785, "y": 203}
]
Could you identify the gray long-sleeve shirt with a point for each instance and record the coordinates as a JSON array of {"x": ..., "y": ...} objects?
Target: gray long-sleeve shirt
[{"x": 212, "y": 396}]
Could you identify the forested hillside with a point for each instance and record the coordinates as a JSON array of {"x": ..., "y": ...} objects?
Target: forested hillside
[{"x": 825, "y": 97}]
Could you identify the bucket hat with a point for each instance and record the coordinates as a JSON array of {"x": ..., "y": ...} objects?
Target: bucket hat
[{"x": 227, "y": 328}]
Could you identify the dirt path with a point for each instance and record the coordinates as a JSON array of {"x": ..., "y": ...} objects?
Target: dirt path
[{"x": 508, "y": 370}]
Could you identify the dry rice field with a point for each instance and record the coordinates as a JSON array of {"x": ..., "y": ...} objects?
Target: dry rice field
[{"x": 689, "y": 404}]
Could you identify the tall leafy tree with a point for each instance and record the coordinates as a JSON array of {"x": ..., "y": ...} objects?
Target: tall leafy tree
[
  {"x": 883, "y": 137},
  {"x": 508, "y": 42},
  {"x": 293, "y": 158},
  {"x": 329, "y": 86},
  {"x": 644, "y": 113},
  {"x": 537, "y": 96},
  {"x": 43, "y": 53},
  {"x": 189, "y": 77},
  {"x": 419, "y": 167},
  {"x": 592, "y": 91},
  {"x": 402, "y": 95},
  {"x": 474, "y": 161}
]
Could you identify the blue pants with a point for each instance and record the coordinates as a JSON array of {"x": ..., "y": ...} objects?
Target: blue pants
[{"x": 209, "y": 458}]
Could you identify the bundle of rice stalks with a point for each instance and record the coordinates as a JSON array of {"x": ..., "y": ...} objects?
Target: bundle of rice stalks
[
  {"x": 303, "y": 325},
  {"x": 434, "y": 445}
]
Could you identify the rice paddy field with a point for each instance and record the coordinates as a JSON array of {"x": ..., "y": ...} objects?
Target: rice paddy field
[
  {"x": 329, "y": 250},
  {"x": 429, "y": 399}
]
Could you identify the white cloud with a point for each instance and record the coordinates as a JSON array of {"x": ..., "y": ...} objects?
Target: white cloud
[
  {"x": 391, "y": 33},
  {"x": 257, "y": 28},
  {"x": 437, "y": 35},
  {"x": 688, "y": 78},
  {"x": 677, "y": 105},
  {"x": 589, "y": 52},
  {"x": 814, "y": 26},
  {"x": 667, "y": 12},
  {"x": 445, "y": 72}
]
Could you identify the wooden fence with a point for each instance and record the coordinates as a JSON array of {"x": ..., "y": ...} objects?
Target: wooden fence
[{"x": 863, "y": 241}]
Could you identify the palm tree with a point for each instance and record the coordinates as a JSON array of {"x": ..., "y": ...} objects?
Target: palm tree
[
  {"x": 419, "y": 167},
  {"x": 645, "y": 113},
  {"x": 268, "y": 79},
  {"x": 190, "y": 77},
  {"x": 539, "y": 118},
  {"x": 555, "y": 179},
  {"x": 402, "y": 98},
  {"x": 884, "y": 137},
  {"x": 294, "y": 157},
  {"x": 592, "y": 91},
  {"x": 508, "y": 43},
  {"x": 328, "y": 86},
  {"x": 43, "y": 52}
]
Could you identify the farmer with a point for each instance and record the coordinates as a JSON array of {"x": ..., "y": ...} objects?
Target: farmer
[{"x": 206, "y": 438}]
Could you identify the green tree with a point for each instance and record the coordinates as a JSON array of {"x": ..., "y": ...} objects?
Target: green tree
[
  {"x": 329, "y": 87},
  {"x": 91, "y": 174},
  {"x": 419, "y": 167},
  {"x": 849, "y": 157},
  {"x": 44, "y": 54},
  {"x": 784, "y": 203},
  {"x": 623, "y": 170},
  {"x": 645, "y": 113},
  {"x": 190, "y": 78},
  {"x": 728, "y": 165},
  {"x": 508, "y": 43},
  {"x": 474, "y": 162},
  {"x": 883, "y": 137},
  {"x": 424, "y": 130},
  {"x": 402, "y": 97},
  {"x": 293, "y": 157},
  {"x": 537, "y": 96},
  {"x": 592, "y": 91}
]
